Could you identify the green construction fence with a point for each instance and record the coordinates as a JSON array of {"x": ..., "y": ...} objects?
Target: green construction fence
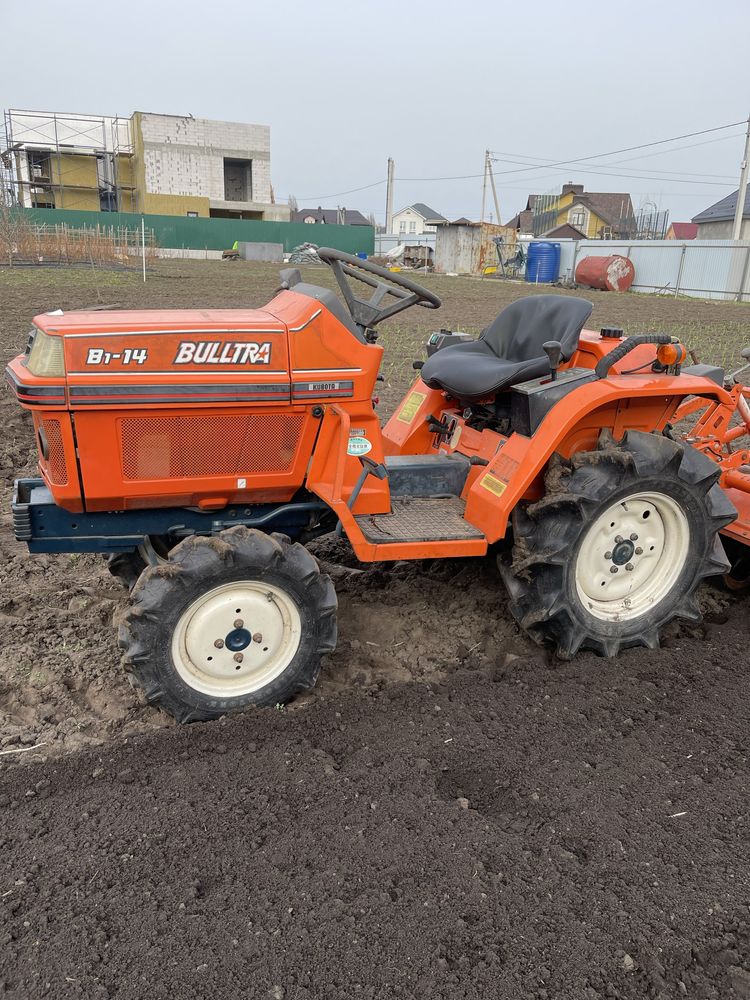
[{"x": 176, "y": 232}]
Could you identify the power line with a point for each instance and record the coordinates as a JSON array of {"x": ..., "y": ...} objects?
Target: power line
[
  {"x": 675, "y": 149},
  {"x": 338, "y": 194},
  {"x": 581, "y": 159},
  {"x": 557, "y": 163},
  {"x": 506, "y": 158},
  {"x": 689, "y": 179},
  {"x": 630, "y": 149}
]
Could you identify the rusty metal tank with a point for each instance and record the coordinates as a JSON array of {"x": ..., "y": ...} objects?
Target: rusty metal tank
[{"x": 610, "y": 274}]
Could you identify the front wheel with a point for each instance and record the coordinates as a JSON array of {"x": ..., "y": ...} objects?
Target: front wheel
[
  {"x": 228, "y": 622},
  {"x": 128, "y": 566},
  {"x": 618, "y": 545}
]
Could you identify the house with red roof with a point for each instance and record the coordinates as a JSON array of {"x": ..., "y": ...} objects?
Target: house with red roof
[{"x": 682, "y": 231}]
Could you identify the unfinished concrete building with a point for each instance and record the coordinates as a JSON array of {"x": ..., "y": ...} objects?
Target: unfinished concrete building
[{"x": 152, "y": 163}]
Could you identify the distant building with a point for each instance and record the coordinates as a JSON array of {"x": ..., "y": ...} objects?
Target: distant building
[
  {"x": 523, "y": 221},
  {"x": 597, "y": 215},
  {"x": 717, "y": 221},
  {"x": 682, "y": 231},
  {"x": 330, "y": 216},
  {"x": 160, "y": 164},
  {"x": 416, "y": 218}
]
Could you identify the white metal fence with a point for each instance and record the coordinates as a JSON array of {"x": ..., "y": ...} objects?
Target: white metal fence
[
  {"x": 707, "y": 269},
  {"x": 387, "y": 241}
]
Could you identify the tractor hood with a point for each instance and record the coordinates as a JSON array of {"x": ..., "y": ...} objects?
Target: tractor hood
[
  {"x": 187, "y": 407},
  {"x": 166, "y": 356}
]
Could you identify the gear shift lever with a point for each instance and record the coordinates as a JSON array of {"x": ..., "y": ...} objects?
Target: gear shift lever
[{"x": 553, "y": 350}]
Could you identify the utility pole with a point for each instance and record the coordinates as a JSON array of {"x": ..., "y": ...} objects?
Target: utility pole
[
  {"x": 389, "y": 198},
  {"x": 494, "y": 189},
  {"x": 484, "y": 184},
  {"x": 740, "y": 207}
]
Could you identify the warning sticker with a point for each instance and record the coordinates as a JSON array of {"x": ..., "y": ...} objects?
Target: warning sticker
[
  {"x": 409, "y": 410},
  {"x": 505, "y": 466},
  {"x": 494, "y": 485}
]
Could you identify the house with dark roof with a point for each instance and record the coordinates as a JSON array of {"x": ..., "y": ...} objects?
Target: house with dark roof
[
  {"x": 716, "y": 221},
  {"x": 565, "y": 232},
  {"x": 598, "y": 215},
  {"x": 330, "y": 216},
  {"x": 416, "y": 218}
]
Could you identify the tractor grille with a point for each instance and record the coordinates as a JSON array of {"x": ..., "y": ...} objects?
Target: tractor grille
[
  {"x": 193, "y": 447},
  {"x": 57, "y": 470}
]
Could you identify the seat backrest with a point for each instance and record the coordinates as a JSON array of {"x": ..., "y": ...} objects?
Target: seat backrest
[{"x": 522, "y": 327}]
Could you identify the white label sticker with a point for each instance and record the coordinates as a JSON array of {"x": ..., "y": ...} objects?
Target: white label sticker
[
  {"x": 241, "y": 484},
  {"x": 358, "y": 445}
]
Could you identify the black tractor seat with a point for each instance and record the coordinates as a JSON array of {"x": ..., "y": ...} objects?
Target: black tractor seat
[{"x": 509, "y": 350}]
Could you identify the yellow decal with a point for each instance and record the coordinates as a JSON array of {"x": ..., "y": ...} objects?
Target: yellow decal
[
  {"x": 409, "y": 410},
  {"x": 494, "y": 485}
]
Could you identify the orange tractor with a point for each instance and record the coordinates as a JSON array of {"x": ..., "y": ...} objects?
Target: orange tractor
[{"x": 203, "y": 449}]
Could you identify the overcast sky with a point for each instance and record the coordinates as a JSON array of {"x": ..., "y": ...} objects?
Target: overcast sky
[{"x": 344, "y": 84}]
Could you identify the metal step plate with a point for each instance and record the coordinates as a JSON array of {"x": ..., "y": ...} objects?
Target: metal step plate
[{"x": 419, "y": 519}]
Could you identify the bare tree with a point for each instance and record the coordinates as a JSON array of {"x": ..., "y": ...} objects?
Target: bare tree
[
  {"x": 14, "y": 228},
  {"x": 293, "y": 206}
]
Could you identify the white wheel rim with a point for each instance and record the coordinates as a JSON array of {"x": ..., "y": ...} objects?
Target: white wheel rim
[
  {"x": 632, "y": 556},
  {"x": 236, "y": 639}
]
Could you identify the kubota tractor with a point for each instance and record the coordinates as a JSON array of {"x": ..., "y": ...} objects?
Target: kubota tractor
[{"x": 203, "y": 449}]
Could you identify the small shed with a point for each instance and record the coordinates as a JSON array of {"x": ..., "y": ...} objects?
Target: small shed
[{"x": 468, "y": 247}]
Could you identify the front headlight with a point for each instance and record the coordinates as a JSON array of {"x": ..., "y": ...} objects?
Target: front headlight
[{"x": 46, "y": 357}]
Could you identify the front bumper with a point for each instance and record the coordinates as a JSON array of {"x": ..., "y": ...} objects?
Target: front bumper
[{"x": 45, "y": 527}]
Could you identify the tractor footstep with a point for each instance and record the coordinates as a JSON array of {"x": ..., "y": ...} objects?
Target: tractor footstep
[{"x": 419, "y": 519}]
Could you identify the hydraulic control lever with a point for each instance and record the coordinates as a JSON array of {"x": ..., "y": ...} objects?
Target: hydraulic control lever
[{"x": 553, "y": 350}]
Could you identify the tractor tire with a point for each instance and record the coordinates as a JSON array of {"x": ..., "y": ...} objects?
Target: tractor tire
[
  {"x": 618, "y": 545},
  {"x": 236, "y": 620},
  {"x": 128, "y": 566}
]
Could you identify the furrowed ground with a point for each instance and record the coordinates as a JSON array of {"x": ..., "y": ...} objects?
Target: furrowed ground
[{"x": 450, "y": 814}]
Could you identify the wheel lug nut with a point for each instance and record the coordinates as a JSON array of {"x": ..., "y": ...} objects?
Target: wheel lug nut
[
  {"x": 639, "y": 551},
  {"x": 618, "y": 538},
  {"x": 629, "y": 567},
  {"x": 238, "y": 623},
  {"x": 634, "y": 537},
  {"x": 257, "y": 637},
  {"x": 607, "y": 555},
  {"x": 613, "y": 569},
  {"x": 238, "y": 657},
  {"x": 218, "y": 643}
]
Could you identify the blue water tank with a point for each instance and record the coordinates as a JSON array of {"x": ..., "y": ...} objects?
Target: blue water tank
[{"x": 543, "y": 262}]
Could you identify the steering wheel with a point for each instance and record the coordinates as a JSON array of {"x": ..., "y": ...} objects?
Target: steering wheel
[{"x": 368, "y": 312}]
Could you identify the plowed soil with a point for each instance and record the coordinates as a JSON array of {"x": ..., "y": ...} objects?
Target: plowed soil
[{"x": 450, "y": 814}]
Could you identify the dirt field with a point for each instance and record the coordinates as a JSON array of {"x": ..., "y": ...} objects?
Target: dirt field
[{"x": 450, "y": 814}]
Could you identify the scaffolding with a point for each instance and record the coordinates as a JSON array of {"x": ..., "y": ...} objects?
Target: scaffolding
[{"x": 44, "y": 161}]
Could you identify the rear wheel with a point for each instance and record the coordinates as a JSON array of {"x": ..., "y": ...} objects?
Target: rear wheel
[
  {"x": 618, "y": 545},
  {"x": 237, "y": 620}
]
